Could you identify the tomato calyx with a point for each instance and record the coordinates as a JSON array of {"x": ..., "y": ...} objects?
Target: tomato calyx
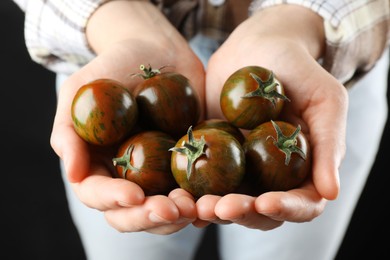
[
  {"x": 124, "y": 161},
  {"x": 287, "y": 144},
  {"x": 193, "y": 149},
  {"x": 266, "y": 89},
  {"x": 148, "y": 72}
]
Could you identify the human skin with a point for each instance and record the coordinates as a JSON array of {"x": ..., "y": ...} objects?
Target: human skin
[
  {"x": 135, "y": 34},
  {"x": 290, "y": 47}
]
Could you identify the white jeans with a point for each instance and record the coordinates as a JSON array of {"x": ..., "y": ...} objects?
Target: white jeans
[{"x": 318, "y": 239}]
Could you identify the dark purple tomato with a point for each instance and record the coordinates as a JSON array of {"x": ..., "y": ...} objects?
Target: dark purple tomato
[
  {"x": 222, "y": 125},
  {"x": 278, "y": 156},
  {"x": 145, "y": 159},
  {"x": 250, "y": 96},
  {"x": 208, "y": 161},
  {"x": 104, "y": 112},
  {"x": 167, "y": 102}
]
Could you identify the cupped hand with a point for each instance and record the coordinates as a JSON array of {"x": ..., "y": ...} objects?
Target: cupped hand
[
  {"x": 290, "y": 48},
  {"x": 124, "y": 35}
]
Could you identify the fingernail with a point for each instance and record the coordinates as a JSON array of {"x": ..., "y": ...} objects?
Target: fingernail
[{"x": 157, "y": 219}]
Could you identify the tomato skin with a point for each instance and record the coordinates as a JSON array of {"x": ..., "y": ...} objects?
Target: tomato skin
[
  {"x": 103, "y": 112},
  {"x": 168, "y": 102},
  {"x": 218, "y": 171},
  {"x": 222, "y": 125},
  {"x": 266, "y": 166},
  {"x": 151, "y": 158},
  {"x": 247, "y": 113}
]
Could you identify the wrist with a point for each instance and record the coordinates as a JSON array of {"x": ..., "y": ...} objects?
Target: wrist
[
  {"x": 116, "y": 21},
  {"x": 298, "y": 24}
]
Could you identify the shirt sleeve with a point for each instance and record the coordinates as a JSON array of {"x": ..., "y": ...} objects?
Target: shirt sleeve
[
  {"x": 357, "y": 32},
  {"x": 55, "y": 32}
]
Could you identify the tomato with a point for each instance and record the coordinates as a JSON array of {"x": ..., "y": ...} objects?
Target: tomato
[
  {"x": 103, "y": 112},
  {"x": 145, "y": 159},
  {"x": 167, "y": 102},
  {"x": 250, "y": 96},
  {"x": 208, "y": 161},
  {"x": 278, "y": 156},
  {"x": 222, "y": 125}
]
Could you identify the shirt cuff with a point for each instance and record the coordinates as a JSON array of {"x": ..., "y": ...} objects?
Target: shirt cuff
[{"x": 55, "y": 33}]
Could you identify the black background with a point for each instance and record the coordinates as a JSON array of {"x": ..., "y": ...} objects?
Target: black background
[{"x": 35, "y": 220}]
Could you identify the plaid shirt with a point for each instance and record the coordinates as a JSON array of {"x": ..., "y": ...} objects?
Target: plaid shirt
[{"x": 357, "y": 31}]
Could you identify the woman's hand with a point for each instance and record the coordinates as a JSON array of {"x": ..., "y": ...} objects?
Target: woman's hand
[
  {"x": 290, "y": 48},
  {"x": 124, "y": 35}
]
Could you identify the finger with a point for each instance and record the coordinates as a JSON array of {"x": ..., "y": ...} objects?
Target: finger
[
  {"x": 72, "y": 150},
  {"x": 65, "y": 142},
  {"x": 299, "y": 205},
  {"x": 321, "y": 102},
  {"x": 327, "y": 134},
  {"x": 185, "y": 203},
  {"x": 240, "y": 209},
  {"x": 166, "y": 229},
  {"x": 157, "y": 211},
  {"x": 205, "y": 206},
  {"x": 104, "y": 192},
  {"x": 234, "y": 206},
  {"x": 199, "y": 223}
]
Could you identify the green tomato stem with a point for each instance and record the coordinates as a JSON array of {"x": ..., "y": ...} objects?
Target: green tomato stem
[
  {"x": 193, "y": 149},
  {"x": 124, "y": 161},
  {"x": 266, "y": 89},
  {"x": 270, "y": 88},
  {"x": 287, "y": 144},
  {"x": 148, "y": 72}
]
